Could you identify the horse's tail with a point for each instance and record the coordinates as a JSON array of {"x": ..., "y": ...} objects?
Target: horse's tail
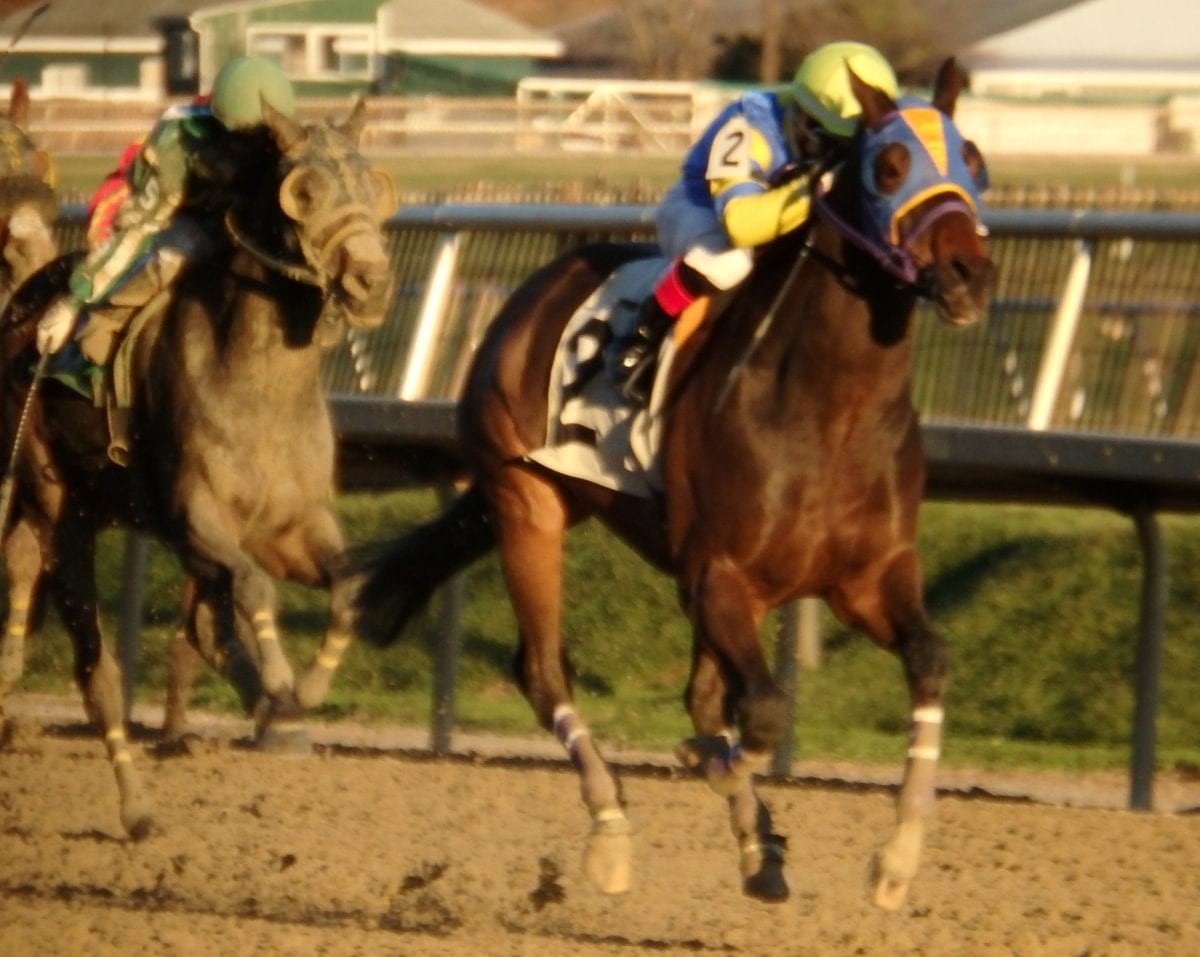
[{"x": 396, "y": 578}]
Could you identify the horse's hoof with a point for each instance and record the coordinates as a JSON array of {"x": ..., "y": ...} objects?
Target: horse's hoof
[
  {"x": 768, "y": 884},
  {"x": 891, "y": 894},
  {"x": 286, "y": 739},
  {"x": 139, "y": 825},
  {"x": 608, "y": 861}
]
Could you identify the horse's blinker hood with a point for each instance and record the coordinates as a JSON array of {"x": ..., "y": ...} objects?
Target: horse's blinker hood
[{"x": 936, "y": 148}]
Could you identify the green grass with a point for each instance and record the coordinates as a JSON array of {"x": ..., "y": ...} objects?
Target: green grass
[{"x": 1040, "y": 606}]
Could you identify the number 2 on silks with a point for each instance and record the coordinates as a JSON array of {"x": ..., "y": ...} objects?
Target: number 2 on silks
[{"x": 729, "y": 155}]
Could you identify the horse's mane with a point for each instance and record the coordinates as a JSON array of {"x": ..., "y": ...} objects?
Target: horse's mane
[{"x": 25, "y": 188}]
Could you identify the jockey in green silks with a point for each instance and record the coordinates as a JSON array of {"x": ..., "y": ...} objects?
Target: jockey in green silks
[
  {"x": 176, "y": 185},
  {"x": 746, "y": 181}
]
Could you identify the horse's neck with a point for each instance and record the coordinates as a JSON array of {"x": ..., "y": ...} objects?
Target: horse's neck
[
  {"x": 263, "y": 333},
  {"x": 829, "y": 321}
]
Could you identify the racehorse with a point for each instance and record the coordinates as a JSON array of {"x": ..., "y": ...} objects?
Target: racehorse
[
  {"x": 232, "y": 453},
  {"x": 28, "y": 203},
  {"x": 791, "y": 466}
]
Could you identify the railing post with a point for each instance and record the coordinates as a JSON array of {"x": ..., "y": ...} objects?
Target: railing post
[
  {"x": 1057, "y": 353},
  {"x": 132, "y": 612},
  {"x": 448, "y": 649},
  {"x": 434, "y": 307},
  {"x": 1147, "y": 659}
]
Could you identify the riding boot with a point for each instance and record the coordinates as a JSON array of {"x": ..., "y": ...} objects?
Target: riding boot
[{"x": 639, "y": 353}]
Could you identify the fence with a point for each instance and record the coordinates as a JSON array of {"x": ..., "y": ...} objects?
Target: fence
[
  {"x": 597, "y": 116},
  {"x": 1092, "y": 328}
]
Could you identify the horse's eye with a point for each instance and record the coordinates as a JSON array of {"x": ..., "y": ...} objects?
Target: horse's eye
[
  {"x": 976, "y": 165},
  {"x": 891, "y": 167}
]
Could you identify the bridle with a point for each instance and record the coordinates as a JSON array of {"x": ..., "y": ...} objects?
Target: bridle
[
  {"x": 296, "y": 271},
  {"x": 894, "y": 254}
]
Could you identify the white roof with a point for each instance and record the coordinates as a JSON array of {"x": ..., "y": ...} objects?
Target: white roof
[{"x": 1114, "y": 34}]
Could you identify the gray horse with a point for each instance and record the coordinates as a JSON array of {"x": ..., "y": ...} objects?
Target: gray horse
[{"x": 232, "y": 451}]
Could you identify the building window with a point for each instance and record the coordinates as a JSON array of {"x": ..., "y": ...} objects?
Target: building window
[{"x": 318, "y": 54}]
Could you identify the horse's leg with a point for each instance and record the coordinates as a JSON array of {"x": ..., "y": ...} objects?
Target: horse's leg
[
  {"x": 182, "y": 660},
  {"x": 894, "y": 615},
  {"x": 213, "y": 545},
  {"x": 726, "y": 620},
  {"x": 96, "y": 671},
  {"x": 227, "y": 643},
  {"x": 740, "y": 714},
  {"x": 322, "y": 545},
  {"x": 532, "y": 517},
  {"x": 761, "y": 850},
  {"x": 23, "y": 569},
  {"x": 234, "y": 645}
]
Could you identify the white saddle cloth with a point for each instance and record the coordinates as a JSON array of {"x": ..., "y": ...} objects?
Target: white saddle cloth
[{"x": 592, "y": 431}]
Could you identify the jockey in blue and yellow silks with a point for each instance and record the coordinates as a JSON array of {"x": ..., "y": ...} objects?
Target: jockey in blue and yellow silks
[{"x": 745, "y": 182}]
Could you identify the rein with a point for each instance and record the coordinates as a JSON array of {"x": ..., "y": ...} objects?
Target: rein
[
  {"x": 295, "y": 271},
  {"x": 764, "y": 324},
  {"x": 894, "y": 260}
]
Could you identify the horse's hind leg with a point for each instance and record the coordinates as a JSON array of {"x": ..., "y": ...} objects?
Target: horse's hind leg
[
  {"x": 897, "y": 619},
  {"x": 761, "y": 851},
  {"x": 23, "y": 569},
  {"x": 531, "y": 517},
  {"x": 182, "y": 660},
  {"x": 97, "y": 673}
]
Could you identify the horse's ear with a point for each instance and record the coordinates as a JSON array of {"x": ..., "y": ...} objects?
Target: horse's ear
[
  {"x": 352, "y": 127},
  {"x": 18, "y": 104},
  {"x": 950, "y": 82},
  {"x": 874, "y": 102},
  {"x": 286, "y": 131}
]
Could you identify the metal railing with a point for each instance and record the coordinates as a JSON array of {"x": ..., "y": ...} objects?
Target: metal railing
[{"x": 1091, "y": 327}]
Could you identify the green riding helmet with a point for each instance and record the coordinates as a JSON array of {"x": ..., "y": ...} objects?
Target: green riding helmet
[
  {"x": 241, "y": 87},
  {"x": 822, "y": 84}
]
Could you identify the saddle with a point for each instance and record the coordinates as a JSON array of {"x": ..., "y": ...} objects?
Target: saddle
[{"x": 109, "y": 385}]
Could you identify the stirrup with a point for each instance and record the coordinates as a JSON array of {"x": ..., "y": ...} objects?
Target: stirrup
[{"x": 640, "y": 378}]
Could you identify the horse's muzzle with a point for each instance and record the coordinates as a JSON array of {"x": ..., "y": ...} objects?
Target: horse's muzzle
[
  {"x": 364, "y": 284},
  {"x": 960, "y": 288}
]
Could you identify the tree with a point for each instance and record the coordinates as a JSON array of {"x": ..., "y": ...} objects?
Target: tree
[
  {"x": 901, "y": 30},
  {"x": 671, "y": 40}
]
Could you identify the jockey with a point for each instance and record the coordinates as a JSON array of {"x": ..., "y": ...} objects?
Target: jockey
[
  {"x": 106, "y": 202},
  {"x": 745, "y": 182},
  {"x": 176, "y": 182}
]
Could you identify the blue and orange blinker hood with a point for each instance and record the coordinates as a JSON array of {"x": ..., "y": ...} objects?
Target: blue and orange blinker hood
[{"x": 936, "y": 147}]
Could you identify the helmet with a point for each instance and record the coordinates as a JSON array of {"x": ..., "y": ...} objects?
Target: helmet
[
  {"x": 822, "y": 84},
  {"x": 242, "y": 85}
]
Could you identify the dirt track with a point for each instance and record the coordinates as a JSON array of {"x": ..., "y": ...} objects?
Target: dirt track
[{"x": 356, "y": 852}]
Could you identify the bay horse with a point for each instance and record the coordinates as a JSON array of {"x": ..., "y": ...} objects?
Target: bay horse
[
  {"x": 792, "y": 465},
  {"x": 232, "y": 453}
]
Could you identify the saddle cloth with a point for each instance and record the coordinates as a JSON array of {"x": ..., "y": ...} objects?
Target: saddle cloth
[{"x": 592, "y": 431}]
